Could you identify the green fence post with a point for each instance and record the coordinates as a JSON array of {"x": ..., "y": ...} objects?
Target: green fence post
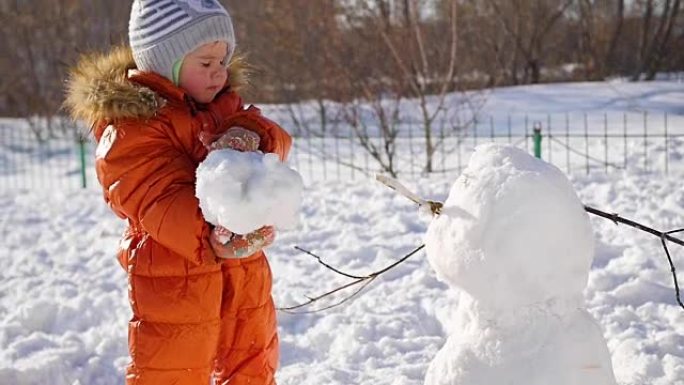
[
  {"x": 81, "y": 145},
  {"x": 537, "y": 140}
]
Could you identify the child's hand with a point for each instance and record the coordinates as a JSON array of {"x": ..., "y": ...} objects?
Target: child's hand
[
  {"x": 239, "y": 139},
  {"x": 230, "y": 245}
]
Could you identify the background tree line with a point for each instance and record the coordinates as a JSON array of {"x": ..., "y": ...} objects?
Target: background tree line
[{"x": 345, "y": 50}]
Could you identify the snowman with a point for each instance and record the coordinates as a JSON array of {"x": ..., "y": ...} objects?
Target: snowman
[{"x": 514, "y": 239}]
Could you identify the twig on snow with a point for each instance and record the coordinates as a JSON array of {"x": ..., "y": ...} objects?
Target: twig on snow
[
  {"x": 664, "y": 237},
  {"x": 364, "y": 281}
]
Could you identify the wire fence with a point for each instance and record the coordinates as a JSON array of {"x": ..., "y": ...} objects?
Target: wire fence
[
  {"x": 584, "y": 142},
  {"x": 28, "y": 161},
  {"x": 572, "y": 154},
  {"x": 579, "y": 143}
]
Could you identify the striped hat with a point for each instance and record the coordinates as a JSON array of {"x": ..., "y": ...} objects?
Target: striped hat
[{"x": 161, "y": 32}]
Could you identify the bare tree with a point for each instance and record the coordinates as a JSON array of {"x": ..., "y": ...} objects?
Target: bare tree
[
  {"x": 419, "y": 68},
  {"x": 656, "y": 35},
  {"x": 344, "y": 51},
  {"x": 39, "y": 47},
  {"x": 618, "y": 23},
  {"x": 529, "y": 23},
  {"x": 600, "y": 26}
]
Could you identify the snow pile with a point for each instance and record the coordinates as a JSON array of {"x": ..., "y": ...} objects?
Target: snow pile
[
  {"x": 244, "y": 191},
  {"x": 60, "y": 248},
  {"x": 514, "y": 237}
]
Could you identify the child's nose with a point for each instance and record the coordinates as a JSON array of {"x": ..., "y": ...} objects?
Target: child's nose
[{"x": 218, "y": 73}]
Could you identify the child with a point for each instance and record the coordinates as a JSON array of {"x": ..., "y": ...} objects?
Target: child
[{"x": 201, "y": 297}]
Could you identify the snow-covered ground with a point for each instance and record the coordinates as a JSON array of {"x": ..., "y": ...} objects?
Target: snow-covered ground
[{"x": 63, "y": 299}]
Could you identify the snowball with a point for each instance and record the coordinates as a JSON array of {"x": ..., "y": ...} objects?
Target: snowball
[
  {"x": 244, "y": 191},
  {"x": 512, "y": 231}
]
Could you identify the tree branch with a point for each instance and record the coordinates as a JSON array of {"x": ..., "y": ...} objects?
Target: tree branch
[{"x": 364, "y": 281}]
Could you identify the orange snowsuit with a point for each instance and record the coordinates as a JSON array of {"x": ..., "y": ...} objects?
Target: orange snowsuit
[{"x": 194, "y": 316}]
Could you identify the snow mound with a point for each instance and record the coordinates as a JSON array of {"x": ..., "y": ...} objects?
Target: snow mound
[
  {"x": 512, "y": 232},
  {"x": 244, "y": 191}
]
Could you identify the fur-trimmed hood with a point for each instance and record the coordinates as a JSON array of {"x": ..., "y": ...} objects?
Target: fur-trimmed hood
[{"x": 99, "y": 87}]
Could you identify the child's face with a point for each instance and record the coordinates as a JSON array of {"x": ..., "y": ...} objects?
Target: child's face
[{"x": 203, "y": 73}]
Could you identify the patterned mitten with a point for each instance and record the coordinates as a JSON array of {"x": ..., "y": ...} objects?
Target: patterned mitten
[
  {"x": 227, "y": 244},
  {"x": 236, "y": 138}
]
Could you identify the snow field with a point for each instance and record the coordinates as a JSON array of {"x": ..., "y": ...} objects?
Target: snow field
[{"x": 60, "y": 248}]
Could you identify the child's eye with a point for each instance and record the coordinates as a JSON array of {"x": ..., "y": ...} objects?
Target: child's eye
[
  {"x": 206, "y": 65},
  {"x": 223, "y": 63}
]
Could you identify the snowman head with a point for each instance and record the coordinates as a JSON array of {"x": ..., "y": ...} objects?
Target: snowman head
[{"x": 512, "y": 232}]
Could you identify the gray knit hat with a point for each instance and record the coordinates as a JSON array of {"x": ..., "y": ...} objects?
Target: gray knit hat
[{"x": 161, "y": 32}]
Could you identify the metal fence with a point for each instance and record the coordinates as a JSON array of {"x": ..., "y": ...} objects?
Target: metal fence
[
  {"x": 585, "y": 142},
  {"x": 29, "y": 162}
]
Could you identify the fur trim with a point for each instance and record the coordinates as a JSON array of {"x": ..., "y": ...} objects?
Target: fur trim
[
  {"x": 98, "y": 88},
  {"x": 239, "y": 72}
]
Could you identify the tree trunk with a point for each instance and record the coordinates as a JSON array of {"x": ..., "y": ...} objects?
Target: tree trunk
[
  {"x": 659, "y": 51},
  {"x": 612, "y": 46}
]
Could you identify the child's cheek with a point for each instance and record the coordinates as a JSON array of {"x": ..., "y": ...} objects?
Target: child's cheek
[{"x": 224, "y": 76}]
